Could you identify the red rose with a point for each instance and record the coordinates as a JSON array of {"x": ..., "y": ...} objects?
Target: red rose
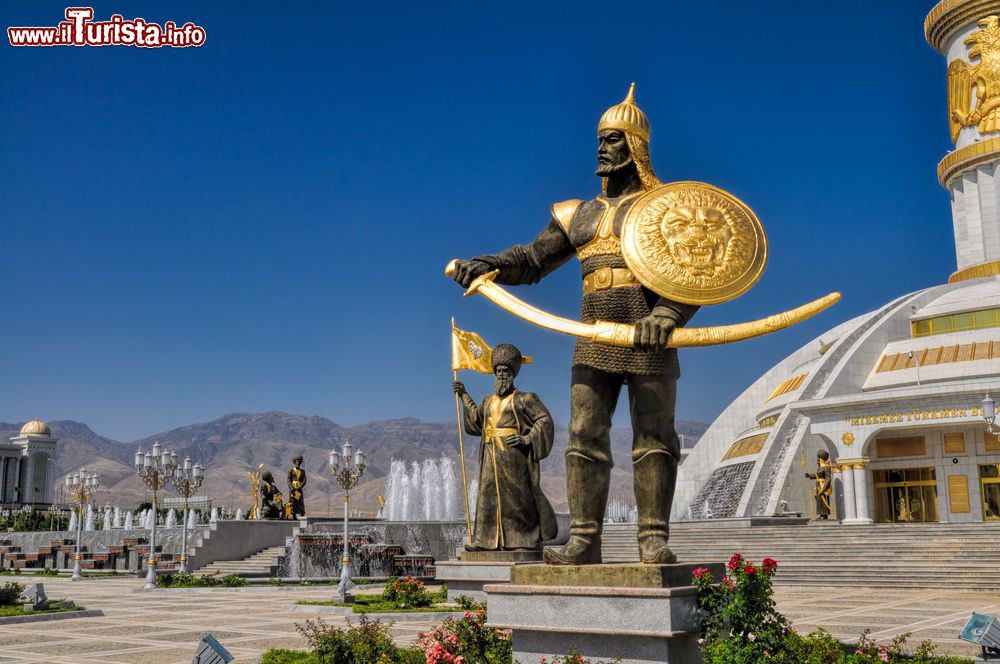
[
  {"x": 749, "y": 570},
  {"x": 699, "y": 572},
  {"x": 769, "y": 565},
  {"x": 735, "y": 561}
]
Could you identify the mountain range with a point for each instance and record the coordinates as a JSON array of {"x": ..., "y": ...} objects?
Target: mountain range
[{"x": 234, "y": 444}]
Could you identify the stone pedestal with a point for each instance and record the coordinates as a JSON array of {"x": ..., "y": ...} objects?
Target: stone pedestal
[
  {"x": 644, "y": 614},
  {"x": 475, "y": 569}
]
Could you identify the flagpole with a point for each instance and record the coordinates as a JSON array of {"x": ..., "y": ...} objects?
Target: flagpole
[{"x": 461, "y": 447}]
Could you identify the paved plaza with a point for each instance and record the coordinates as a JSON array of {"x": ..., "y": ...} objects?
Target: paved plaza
[{"x": 163, "y": 627}]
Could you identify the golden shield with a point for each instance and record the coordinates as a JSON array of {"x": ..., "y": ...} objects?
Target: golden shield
[{"x": 694, "y": 243}]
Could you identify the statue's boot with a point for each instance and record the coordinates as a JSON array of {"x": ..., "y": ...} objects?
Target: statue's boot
[
  {"x": 588, "y": 482},
  {"x": 655, "y": 477}
]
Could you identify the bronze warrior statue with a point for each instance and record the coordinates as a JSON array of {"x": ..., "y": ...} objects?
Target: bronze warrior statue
[
  {"x": 591, "y": 230},
  {"x": 517, "y": 432},
  {"x": 296, "y": 482},
  {"x": 270, "y": 498},
  {"x": 824, "y": 484}
]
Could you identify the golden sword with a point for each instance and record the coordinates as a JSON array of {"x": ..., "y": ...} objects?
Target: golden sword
[{"x": 623, "y": 334}]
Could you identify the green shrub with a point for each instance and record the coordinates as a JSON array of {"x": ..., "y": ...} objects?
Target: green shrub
[
  {"x": 47, "y": 572},
  {"x": 369, "y": 642},
  {"x": 231, "y": 581},
  {"x": 10, "y": 592},
  {"x": 274, "y": 581},
  {"x": 466, "y": 603},
  {"x": 283, "y": 656},
  {"x": 407, "y": 593}
]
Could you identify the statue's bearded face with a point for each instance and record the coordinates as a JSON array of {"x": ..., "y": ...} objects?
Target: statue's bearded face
[
  {"x": 697, "y": 238},
  {"x": 612, "y": 152},
  {"x": 504, "y": 380}
]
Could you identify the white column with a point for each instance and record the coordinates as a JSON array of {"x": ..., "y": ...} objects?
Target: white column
[
  {"x": 18, "y": 496},
  {"x": 861, "y": 493},
  {"x": 48, "y": 492},
  {"x": 850, "y": 514},
  {"x": 28, "y": 492}
]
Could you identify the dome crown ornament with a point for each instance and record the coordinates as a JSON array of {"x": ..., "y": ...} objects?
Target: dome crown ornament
[
  {"x": 36, "y": 428},
  {"x": 626, "y": 117}
]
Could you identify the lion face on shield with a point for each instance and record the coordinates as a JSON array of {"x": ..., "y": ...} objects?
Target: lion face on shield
[{"x": 697, "y": 238}]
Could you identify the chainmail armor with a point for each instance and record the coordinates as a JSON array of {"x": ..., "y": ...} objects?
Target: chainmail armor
[{"x": 619, "y": 305}]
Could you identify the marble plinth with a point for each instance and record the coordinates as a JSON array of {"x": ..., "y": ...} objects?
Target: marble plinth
[
  {"x": 467, "y": 577},
  {"x": 644, "y": 614}
]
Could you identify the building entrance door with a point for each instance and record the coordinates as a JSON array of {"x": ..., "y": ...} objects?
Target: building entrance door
[
  {"x": 906, "y": 495},
  {"x": 989, "y": 481}
]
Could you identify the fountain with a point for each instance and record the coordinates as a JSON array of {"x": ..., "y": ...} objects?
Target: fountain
[
  {"x": 621, "y": 509},
  {"x": 191, "y": 519},
  {"x": 171, "y": 519},
  {"x": 89, "y": 523},
  {"x": 213, "y": 515},
  {"x": 72, "y": 522},
  {"x": 427, "y": 491},
  {"x": 128, "y": 521},
  {"x": 107, "y": 519},
  {"x": 473, "y": 499},
  {"x": 239, "y": 514},
  {"x": 116, "y": 521}
]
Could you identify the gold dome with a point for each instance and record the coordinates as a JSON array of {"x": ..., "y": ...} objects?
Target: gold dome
[
  {"x": 626, "y": 117},
  {"x": 37, "y": 428}
]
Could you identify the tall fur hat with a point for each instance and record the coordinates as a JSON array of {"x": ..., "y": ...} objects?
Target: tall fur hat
[{"x": 509, "y": 356}]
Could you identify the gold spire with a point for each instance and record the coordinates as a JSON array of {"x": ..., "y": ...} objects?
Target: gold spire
[{"x": 626, "y": 117}]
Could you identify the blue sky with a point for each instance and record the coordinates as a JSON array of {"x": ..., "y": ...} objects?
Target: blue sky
[{"x": 262, "y": 223}]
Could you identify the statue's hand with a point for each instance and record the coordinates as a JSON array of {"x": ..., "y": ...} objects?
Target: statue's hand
[
  {"x": 459, "y": 388},
  {"x": 467, "y": 270},
  {"x": 516, "y": 441},
  {"x": 653, "y": 332}
]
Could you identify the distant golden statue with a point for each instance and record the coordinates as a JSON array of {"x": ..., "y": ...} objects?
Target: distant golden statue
[{"x": 982, "y": 77}]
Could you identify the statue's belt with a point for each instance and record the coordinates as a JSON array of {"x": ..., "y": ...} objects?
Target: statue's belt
[
  {"x": 496, "y": 435},
  {"x": 608, "y": 277}
]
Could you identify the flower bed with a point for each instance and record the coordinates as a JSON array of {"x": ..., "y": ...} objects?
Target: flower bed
[{"x": 742, "y": 626}]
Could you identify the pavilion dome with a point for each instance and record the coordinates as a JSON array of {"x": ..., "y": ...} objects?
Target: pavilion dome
[{"x": 36, "y": 428}]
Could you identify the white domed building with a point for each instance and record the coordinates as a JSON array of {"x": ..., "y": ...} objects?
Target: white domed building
[
  {"x": 27, "y": 467},
  {"x": 896, "y": 396}
]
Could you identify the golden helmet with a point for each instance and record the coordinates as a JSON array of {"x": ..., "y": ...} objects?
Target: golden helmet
[{"x": 626, "y": 117}]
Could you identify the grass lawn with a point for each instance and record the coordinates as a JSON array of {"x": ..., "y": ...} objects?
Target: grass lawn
[
  {"x": 375, "y": 604},
  {"x": 18, "y": 610}
]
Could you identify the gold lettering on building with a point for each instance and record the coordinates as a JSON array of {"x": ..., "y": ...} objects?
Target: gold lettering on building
[{"x": 914, "y": 416}]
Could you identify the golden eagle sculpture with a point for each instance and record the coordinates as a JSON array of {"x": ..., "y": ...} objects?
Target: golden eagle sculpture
[{"x": 982, "y": 76}]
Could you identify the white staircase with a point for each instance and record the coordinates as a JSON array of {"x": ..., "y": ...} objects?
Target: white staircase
[{"x": 262, "y": 563}]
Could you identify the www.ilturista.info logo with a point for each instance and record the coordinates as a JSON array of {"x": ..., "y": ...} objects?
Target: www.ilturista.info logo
[{"x": 79, "y": 29}]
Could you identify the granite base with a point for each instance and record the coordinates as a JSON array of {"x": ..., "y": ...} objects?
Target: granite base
[
  {"x": 468, "y": 577},
  {"x": 643, "y": 614}
]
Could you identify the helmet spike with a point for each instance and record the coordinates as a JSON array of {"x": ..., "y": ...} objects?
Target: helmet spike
[{"x": 630, "y": 97}]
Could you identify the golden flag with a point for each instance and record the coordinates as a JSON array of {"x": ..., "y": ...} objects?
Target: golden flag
[{"x": 470, "y": 351}]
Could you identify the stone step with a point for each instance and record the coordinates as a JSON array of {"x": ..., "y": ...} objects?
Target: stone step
[
  {"x": 261, "y": 563},
  {"x": 962, "y": 556}
]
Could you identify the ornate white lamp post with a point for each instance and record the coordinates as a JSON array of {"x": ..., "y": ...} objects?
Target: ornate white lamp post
[
  {"x": 82, "y": 486},
  {"x": 187, "y": 480},
  {"x": 989, "y": 413},
  {"x": 347, "y": 469},
  {"x": 154, "y": 468}
]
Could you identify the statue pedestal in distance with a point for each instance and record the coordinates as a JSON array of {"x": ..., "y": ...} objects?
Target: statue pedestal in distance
[
  {"x": 475, "y": 569},
  {"x": 648, "y": 613}
]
